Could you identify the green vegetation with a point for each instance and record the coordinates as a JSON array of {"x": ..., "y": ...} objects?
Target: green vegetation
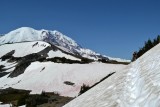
[
  {"x": 147, "y": 46},
  {"x": 86, "y": 60},
  {"x": 22, "y": 100},
  {"x": 112, "y": 61},
  {"x": 14, "y": 96},
  {"x": 34, "y": 100},
  {"x": 69, "y": 61},
  {"x": 84, "y": 88},
  {"x": 22, "y": 97}
]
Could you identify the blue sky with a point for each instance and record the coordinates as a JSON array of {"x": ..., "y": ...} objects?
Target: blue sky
[{"x": 111, "y": 27}]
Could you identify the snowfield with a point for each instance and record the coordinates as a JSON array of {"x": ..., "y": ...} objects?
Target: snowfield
[
  {"x": 137, "y": 85},
  {"x": 24, "y": 48},
  {"x": 20, "y": 68},
  {"x": 58, "y": 53},
  {"x": 49, "y": 76}
]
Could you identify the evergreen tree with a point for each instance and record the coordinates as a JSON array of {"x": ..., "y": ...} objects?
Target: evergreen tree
[
  {"x": 158, "y": 39},
  {"x": 147, "y": 46}
]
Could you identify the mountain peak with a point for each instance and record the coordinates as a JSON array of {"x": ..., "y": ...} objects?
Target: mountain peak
[
  {"x": 54, "y": 37},
  {"x": 22, "y": 31},
  {"x": 25, "y": 28}
]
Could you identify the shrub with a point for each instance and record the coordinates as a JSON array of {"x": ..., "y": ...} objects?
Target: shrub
[
  {"x": 43, "y": 93},
  {"x": 83, "y": 89},
  {"x": 102, "y": 60},
  {"x": 35, "y": 100},
  {"x": 86, "y": 60},
  {"x": 22, "y": 100}
]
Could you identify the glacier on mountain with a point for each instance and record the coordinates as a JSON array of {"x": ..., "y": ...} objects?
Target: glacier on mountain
[{"x": 25, "y": 34}]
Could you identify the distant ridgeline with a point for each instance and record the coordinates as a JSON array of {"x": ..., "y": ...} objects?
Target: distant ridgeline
[{"x": 147, "y": 46}]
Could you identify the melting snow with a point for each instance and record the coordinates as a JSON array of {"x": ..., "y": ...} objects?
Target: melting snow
[
  {"x": 53, "y": 76},
  {"x": 137, "y": 85}
]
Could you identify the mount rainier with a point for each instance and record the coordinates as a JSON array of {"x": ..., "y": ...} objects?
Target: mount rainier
[
  {"x": 44, "y": 60},
  {"x": 25, "y": 34}
]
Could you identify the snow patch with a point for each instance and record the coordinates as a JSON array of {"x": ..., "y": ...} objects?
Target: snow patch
[
  {"x": 54, "y": 75},
  {"x": 136, "y": 85},
  {"x": 58, "y": 53},
  {"x": 23, "y": 49}
]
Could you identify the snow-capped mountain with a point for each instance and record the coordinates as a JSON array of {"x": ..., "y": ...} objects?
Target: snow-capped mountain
[
  {"x": 26, "y": 48},
  {"x": 53, "y": 37},
  {"x": 27, "y": 66},
  {"x": 44, "y": 60},
  {"x": 137, "y": 85},
  {"x": 29, "y": 34}
]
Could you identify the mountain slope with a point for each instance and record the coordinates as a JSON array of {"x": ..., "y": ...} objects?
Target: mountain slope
[
  {"x": 53, "y": 37},
  {"x": 21, "y": 67},
  {"x": 26, "y": 48},
  {"x": 137, "y": 85},
  {"x": 49, "y": 76}
]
